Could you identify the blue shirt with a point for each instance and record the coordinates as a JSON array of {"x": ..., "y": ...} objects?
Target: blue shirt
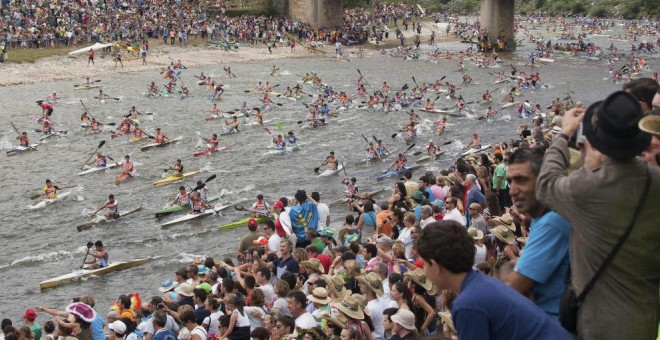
[
  {"x": 545, "y": 260},
  {"x": 418, "y": 212},
  {"x": 474, "y": 195},
  {"x": 431, "y": 195},
  {"x": 289, "y": 265},
  {"x": 164, "y": 335},
  {"x": 97, "y": 328},
  {"x": 489, "y": 309}
]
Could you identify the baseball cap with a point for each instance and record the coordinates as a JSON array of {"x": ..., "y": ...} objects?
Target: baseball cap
[
  {"x": 252, "y": 223},
  {"x": 278, "y": 204},
  {"x": 118, "y": 327}
]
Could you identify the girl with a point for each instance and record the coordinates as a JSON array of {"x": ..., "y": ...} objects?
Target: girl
[{"x": 239, "y": 324}]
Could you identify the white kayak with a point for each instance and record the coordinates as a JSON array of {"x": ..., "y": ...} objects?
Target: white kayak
[
  {"x": 471, "y": 151},
  {"x": 95, "y": 47},
  {"x": 188, "y": 217},
  {"x": 102, "y": 219},
  {"x": 85, "y": 273},
  {"x": 18, "y": 149},
  {"x": 156, "y": 144},
  {"x": 97, "y": 168},
  {"x": 329, "y": 172},
  {"x": 48, "y": 201}
]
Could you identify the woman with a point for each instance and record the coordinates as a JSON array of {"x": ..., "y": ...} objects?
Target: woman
[
  {"x": 401, "y": 296},
  {"x": 367, "y": 222},
  {"x": 409, "y": 221},
  {"x": 79, "y": 320},
  {"x": 456, "y": 191},
  {"x": 396, "y": 216},
  {"x": 239, "y": 323},
  {"x": 482, "y": 178},
  {"x": 492, "y": 205},
  {"x": 423, "y": 301},
  {"x": 350, "y": 307},
  {"x": 281, "y": 289},
  {"x": 481, "y": 252},
  {"x": 351, "y": 271},
  {"x": 256, "y": 309},
  {"x": 189, "y": 321},
  {"x": 349, "y": 333},
  {"x": 335, "y": 324},
  {"x": 398, "y": 196}
]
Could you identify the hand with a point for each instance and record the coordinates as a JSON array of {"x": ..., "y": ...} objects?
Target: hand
[{"x": 571, "y": 120}]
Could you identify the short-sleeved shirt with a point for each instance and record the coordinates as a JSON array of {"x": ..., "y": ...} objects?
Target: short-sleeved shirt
[
  {"x": 487, "y": 308},
  {"x": 246, "y": 242},
  {"x": 286, "y": 265},
  {"x": 545, "y": 260},
  {"x": 164, "y": 335},
  {"x": 500, "y": 172}
]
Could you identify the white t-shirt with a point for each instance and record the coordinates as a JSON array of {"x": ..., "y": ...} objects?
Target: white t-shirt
[
  {"x": 280, "y": 303},
  {"x": 169, "y": 325},
  {"x": 255, "y": 321},
  {"x": 406, "y": 238},
  {"x": 285, "y": 221},
  {"x": 274, "y": 242},
  {"x": 455, "y": 215},
  {"x": 376, "y": 308},
  {"x": 306, "y": 321},
  {"x": 423, "y": 223},
  {"x": 199, "y": 331},
  {"x": 242, "y": 320},
  {"x": 480, "y": 254},
  {"x": 213, "y": 322},
  {"x": 324, "y": 212},
  {"x": 269, "y": 293}
]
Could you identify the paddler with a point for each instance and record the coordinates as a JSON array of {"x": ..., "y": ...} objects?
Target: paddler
[
  {"x": 53, "y": 97},
  {"x": 279, "y": 142},
  {"x": 197, "y": 204},
  {"x": 292, "y": 138},
  {"x": 88, "y": 82},
  {"x": 23, "y": 139},
  {"x": 431, "y": 149},
  {"x": 486, "y": 96},
  {"x": 258, "y": 116},
  {"x": 100, "y": 256},
  {"x": 100, "y": 160},
  {"x": 331, "y": 162},
  {"x": 47, "y": 109},
  {"x": 102, "y": 95},
  {"x": 244, "y": 108},
  {"x": 160, "y": 137},
  {"x": 260, "y": 207},
  {"x": 233, "y": 124},
  {"x": 124, "y": 127},
  {"x": 177, "y": 168},
  {"x": 490, "y": 113},
  {"x": 84, "y": 119},
  {"x": 214, "y": 110},
  {"x": 213, "y": 141},
  {"x": 371, "y": 152},
  {"x": 381, "y": 149},
  {"x": 441, "y": 125},
  {"x": 137, "y": 132},
  {"x": 153, "y": 89},
  {"x": 95, "y": 126},
  {"x": 50, "y": 190},
  {"x": 182, "y": 198},
  {"x": 351, "y": 186},
  {"x": 509, "y": 98},
  {"x": 203, "y": 191},
  {"x": 133, "y": 112},
  {"x": 113, "y": 208},
  {"x": 428, "y": 105},
  {"x": 288, "y": 92},
  {"x": 274, "y": 70},
  {"x": 399, "y": 164},
  {"x": 127, "y": 167},
  {"x": 476, "y": 141},
  {"x": 266, "y": 100},
  {"x": 46, "y": 128}
]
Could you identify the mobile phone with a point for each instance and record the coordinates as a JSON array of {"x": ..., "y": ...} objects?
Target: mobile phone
[{"x": 579, "y": 136}]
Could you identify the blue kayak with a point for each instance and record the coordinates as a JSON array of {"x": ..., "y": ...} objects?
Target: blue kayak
[{"x": 396, "y": 172}]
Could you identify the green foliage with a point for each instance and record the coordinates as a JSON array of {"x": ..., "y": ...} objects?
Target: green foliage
[
  {"x": 600, "y": 11},
  {"x": 354, "y": 3}
]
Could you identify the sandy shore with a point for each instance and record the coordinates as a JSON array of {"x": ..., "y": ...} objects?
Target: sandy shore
[{"x": 75, "y": 67}]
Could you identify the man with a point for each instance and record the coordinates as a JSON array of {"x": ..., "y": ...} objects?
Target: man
[
  {"x": 499, "y": 181},
  {"x": 427, "y": 216},
  {"x": 247, "y": 241},
  {"x": 485, "y": 307},
  {"x": 644, "y": 89},
  {"x": 370, "y": 254},
  {"x": 437, "y": 191},
  {"x": 100, "y": 256},
  {"x": 157, "y": 328},
  {"x": 383, "y": 221},
  {"x": 543, "y": 266},
  {"x": 371, "y": 287},
  {"x": 323, "y": 209},
  {"x": 50, "y": 190},
  {"x": 303, "y": 216},
  {"x": 297, "y": 301},
  {"x": 382, "y": 271},
  {"x": 452, "y": 213},
  {"x": 411, "y": 186},
  {"x": 274, "y": 240},
  {"x": 285, "y": 264},
  {"x": 331, "y": 162},
  {"x": 177, "y": 168},
  {"x": 476, "y": 218},
  {"x": 263, "y": 280},
  {"x": 320, "y": 303},
  {"x": 113, "y": 207},
  {"x": 600, "y": 200},
  {"x": 30, "y": 315},
  {"x": 182, "y": 198},
  {"x": 404, "y": 325},
  {"x": 284, "y": 326},
  {"x": 283, "y": 221},
  {"x": 424, "y": 186},
  {"x": 474, "y": 195}
]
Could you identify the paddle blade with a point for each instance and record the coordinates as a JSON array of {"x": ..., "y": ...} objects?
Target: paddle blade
[
  {"x": 279, "y": 127},
  {"x": 394, "y": 135},
  {"x": 101, "y": 144},
  {"x": 417, "y": 153},
  {"x": 316, "y": 169},
  {"x": 214, "y": 176}
]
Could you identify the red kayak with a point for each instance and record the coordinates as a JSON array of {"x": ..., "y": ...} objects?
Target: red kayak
[
  {"x": 210, "y": 151},
  {"x": 211, "y": 117},
  {"x": 123, "y": 176},
  {"x": 118, "y": 133}
]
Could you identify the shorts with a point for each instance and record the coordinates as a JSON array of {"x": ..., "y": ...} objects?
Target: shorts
[{"x": 49, "y": 112}]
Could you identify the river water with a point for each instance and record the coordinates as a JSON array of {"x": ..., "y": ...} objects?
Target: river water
[{"x": 36, "y": 245}]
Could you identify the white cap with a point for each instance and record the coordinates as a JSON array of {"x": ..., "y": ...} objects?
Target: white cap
[{"x": 118, "y": 327}]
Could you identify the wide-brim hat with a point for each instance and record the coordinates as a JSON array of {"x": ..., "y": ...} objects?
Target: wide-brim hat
[
  {"x": 167, "y": 285},
  {"x": 363, "y": 303},
  {"x": 340, "y": 320},
  {"x": 349, "y": 306},
  {"x": 313, "y": 264},
  {"x": 336, "y": 284},
  {"x": 505, "y": 220},
  {"x": 445, "y": 317},
  {"x": 420, "y": 278},
  {"x": 319, "y": 295},
  {"x": 82, "y": 311},
  {"x": 185, "y": 289},
  {"x": 503, "y": 234},
  {"x": 650, "y": 124},
  {"x": 475, "y": 233},
  {"x": 373, "y": 281},
  {"x": 404, "y": 318},
  {"x": 611, "y": 126}
]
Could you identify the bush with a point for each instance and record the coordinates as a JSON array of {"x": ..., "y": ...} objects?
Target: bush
[
  {"x": 579, "y": 8},
  {"x": 600, "y": 11}
]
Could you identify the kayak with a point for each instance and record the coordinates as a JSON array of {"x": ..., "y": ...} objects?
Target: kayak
[
  {"x": 176, "y": 208},
  {"x": 329, "y": 172},
  {"x": 452, "y": 112},
  {"x": 122, "y": 177},
  {"x": 485, "y": 102},
  {"x": 231, "y": 132},
  {"x": 188, "y": 217},
  {"x": 174, "y": 178},
  {"x": 271, "y": 93},
  {"x": 504, "y": 106},
  {"x": 97, "y": 168},
  {"x": 56, "y": 133},
  {"x": 547, "y": 60},
  {"x": 157, "y": 144},
  {"x": 242, "y": 222},
  {"x": 428, "y": 158},
  {"x": 88, "y": 87},
  {"x": 396, "y": 172},
  {"x": 210, "y": 151},
  {"x": 283, "y": 151},
  {"x": 17, "y": 149},
  {"x": 136, "y": 139},
  {"x": 371, "y": 161},
  {"x": 102, "y": 219},
  {"x": 345, "y": 199},
  {"x": 48, "y": 201},
  {"x": 85, "y": 273},
  {"x": 471, "y": 151}
]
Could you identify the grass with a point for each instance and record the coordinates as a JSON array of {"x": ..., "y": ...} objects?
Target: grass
[{"x": 30, "y": 55}]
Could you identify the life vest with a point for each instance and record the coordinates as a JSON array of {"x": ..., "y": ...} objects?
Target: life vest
[
  {"x": 101, "y": 161},
  {"x": 197, "y": 206},
  {"x": 115, "y": 209},
  {"x": 51, "y": 192},
  {"x": 183, "y": 199}
]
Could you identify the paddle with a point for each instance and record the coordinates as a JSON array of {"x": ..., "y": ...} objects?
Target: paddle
[
  {"x": 365, "y": 138},
  {"x": 86, "y": 109},
  {"x": 92, "y": 155},
  {"x": 279, "y": 127},
  {"x": 206, "y": 181},
  {"x": 391, "y": 166},
  {"x": 415, "y": 81},
  {"x": 89, "y": 246},
  {"x": 97, "y": 210},
  {"x": 466, "y": 104},
  {"x": 363, "y": 78}
]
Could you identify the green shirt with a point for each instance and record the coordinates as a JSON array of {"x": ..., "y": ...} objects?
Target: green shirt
[
  {"x": 319, "y": 244},
  {"x": 36, "y": 330},
  {"x": 500, "y": 172}
]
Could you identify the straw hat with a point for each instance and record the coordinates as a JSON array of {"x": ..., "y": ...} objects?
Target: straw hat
[
  {"x": 475, "y": 233},
  {"x": 336, "y": 284},
  {"x": 420, "y": 278},
  {"x": 505, "y": 220},
  {"x": 650, "y": 124},
  {"x": 185, "y": 289},
  {"x": 314, "y": 264},
  {"x": 373, "y": 281},
  {"x": 363, "y": 303},
  {"x": 445, "y": 317},
  {"x": 522, "y": 240},
  {"x": 351, "y": 307},
  {"x": 319, "y": 295},
  {"x": 503, "y": 234},
  {"x": 340, "y": 320},
  {"x": 404, "y": 318}
]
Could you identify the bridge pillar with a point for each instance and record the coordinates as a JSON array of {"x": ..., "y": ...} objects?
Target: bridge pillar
[
  {"x": 497, "y": 16},
  {"x": 319, "y": 13}
]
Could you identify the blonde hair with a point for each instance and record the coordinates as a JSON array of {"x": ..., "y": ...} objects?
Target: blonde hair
[
  {"x": 281, "y": 288},
  {"x": 410, "y": 217},
  {"x": 399, "y": 249},
  {"x": 352, "y": 267},
  {"x": 300, "y": 254}
]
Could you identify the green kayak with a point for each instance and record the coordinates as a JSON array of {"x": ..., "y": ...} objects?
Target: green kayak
[
  {"x": 242, "y": 222},
  {"x": 176, "y": 208}
]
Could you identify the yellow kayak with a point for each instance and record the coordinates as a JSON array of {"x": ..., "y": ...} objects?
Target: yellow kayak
[
  {"x": 136, "y": 139},
  {"x": 174, "y": 178}
]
